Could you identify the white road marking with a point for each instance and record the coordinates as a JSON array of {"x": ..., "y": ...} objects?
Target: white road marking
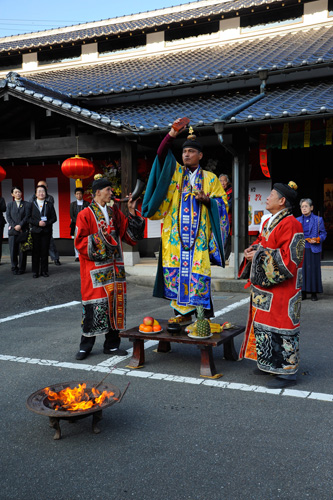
[
  {"x": 37, "y": 311},
  {"x": 218, "y": 384},
  {"x": 231, "y": 307},
  {"x": 104, "y": 366}
]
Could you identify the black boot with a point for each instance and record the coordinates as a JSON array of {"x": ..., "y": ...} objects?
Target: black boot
[
  {"x": 314, "y": 296},
  {"x": 303, "y": 295}
]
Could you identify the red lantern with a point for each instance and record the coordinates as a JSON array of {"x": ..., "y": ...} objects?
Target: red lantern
[
  {"x": 2, "y": 174},
  {"x": 78, "y": 168}
]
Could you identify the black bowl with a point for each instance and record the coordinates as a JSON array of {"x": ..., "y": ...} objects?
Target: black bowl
[{"x": 174, "y": 328}]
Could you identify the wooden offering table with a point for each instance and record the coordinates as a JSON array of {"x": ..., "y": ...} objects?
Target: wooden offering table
[{"x": 207, "y": 366}]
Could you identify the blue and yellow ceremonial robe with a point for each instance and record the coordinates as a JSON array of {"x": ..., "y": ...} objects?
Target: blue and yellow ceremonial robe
[{"x": 193, "y": 235}]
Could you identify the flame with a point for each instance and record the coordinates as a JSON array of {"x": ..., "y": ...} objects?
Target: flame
[{"x": 77, "y": 399}]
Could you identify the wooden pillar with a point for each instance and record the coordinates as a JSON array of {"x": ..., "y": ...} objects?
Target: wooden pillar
[
  {"x": 241, "y": 141},
  {"x": 128, "y": 169},
  {"x": 240, "y": 203},
  {"x": 128, "y": 180}
]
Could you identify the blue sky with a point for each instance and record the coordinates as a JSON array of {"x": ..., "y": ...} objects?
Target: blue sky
[{"x": 22, "y": 16}]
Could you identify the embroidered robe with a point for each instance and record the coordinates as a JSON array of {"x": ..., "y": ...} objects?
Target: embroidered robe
[
  {"x": 103, "y": 284},
  {"x": 193, "y": 235},
  {"x": 272, "y": 333}
]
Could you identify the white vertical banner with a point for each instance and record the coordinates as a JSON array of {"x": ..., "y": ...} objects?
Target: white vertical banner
[
  {"x": 28, "y": 188},
  {"x": 6, "y": 187},
  {"x": 258, "y": 193},
  {"x": 52, "y": 183}
]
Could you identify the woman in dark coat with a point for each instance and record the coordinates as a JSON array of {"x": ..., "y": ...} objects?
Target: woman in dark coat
[
  {"x": 41, "y": 218},
  {"x": 314, "y": 234}
]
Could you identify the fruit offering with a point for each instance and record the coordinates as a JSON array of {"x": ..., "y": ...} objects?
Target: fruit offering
[
  {"x": 203, "y": 326},
  {"x": 149, "y": 324}
]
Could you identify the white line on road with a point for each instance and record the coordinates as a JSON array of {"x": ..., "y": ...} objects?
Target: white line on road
[
  {"x": 37, "y": 311},
  {"x": 231, "y": 307},
  {"x": 218, "y": 384}
]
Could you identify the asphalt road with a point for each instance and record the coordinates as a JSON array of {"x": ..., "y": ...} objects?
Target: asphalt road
[{"x": 175, "y": 436}]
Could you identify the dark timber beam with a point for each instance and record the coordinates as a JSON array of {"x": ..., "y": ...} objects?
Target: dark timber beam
[{"x": 58, "y": 146}]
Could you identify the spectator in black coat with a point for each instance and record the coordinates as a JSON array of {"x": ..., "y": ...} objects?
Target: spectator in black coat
[
  {"x": 41, "y": 217},
  {"x": 75, "y": 208},
  {"x": 54, "y": 254},
  {"x": 2, "y": 222},
  {"x": 17, "y": 215}
]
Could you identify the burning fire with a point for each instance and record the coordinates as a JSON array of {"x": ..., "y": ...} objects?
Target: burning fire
[{"x": 78, "y": 398}]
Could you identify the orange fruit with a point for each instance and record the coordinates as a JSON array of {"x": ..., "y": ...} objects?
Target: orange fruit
[
  {"x": 157, "y": 328},
  {"x": 142, "y": 326},
  {"x": 147, "y": 329}
]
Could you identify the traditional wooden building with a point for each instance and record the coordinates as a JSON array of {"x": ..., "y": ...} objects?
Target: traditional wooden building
[{"x": 254, "y": 77}]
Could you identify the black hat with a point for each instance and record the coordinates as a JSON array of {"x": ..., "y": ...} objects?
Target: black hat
[
  {"x": 100, "y": 183},
  {"x": 192, "y": 142},
  {"x": 289, "y": 191}
]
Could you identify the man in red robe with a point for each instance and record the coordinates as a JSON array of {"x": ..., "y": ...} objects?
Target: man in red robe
[
  {"x": 272, "y": 334},
  {"x": 99, "y": 232}
]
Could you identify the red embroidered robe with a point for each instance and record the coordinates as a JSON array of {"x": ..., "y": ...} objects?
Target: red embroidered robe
[
  {"x": 103, "y": 284},
  {"x": 272, "y": 334}
]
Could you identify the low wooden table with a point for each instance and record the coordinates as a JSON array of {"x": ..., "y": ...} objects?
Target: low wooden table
[{"x": 207, "y": 366}]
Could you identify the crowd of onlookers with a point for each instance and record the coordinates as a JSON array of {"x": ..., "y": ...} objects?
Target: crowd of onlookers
[{"x": 29, "y": 228}]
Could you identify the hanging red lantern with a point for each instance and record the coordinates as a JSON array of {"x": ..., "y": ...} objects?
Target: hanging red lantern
[
  {"x": 78, "y": 168},
  {"x": 2, "y": 174}
]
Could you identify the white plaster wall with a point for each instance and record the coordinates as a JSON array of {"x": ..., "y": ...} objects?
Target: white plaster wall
[
  {"x": 315, "y": 12},
  {"x": 230, "y": 28},
  {"x": 155, "y": 41},
  {"x": 89, "y": 52},
  {"x": 29, "y": 61}
]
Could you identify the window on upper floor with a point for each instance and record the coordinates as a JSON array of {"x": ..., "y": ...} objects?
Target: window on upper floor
[
  {"x": 126, "y": 43},
  {"x": 190, "y": 31},
  {"x": 271, "y": 18},
  {"x": 10, "y": 62},
  {"x": 55, "y": 56}
]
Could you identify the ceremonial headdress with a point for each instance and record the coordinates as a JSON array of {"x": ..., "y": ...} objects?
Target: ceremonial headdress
[
  {"x": 100, "y": 182},
  {"x": 192, "y": 142},
  {"x": 289, "y": 191}
]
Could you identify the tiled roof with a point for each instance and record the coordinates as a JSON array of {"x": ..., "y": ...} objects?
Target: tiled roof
[
  {"x": 280, "y": 103},
  {"x": 54, "y": 37},
  {"x": 212, "y": 63},
  {"x": 288, "y": 101},
  {"x": 43, "y": 96}
]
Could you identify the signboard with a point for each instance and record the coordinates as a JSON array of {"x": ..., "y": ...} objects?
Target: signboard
[{"x": 258, "y": 193}]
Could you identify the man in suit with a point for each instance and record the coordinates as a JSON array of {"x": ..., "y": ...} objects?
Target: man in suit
[
  {"x": 75, "y": 208},
  {"x": 54, "y": 254},
  {"x": 2, "y": 222},
  {"x": 17, "y": 217},
  {"x": 41, "y": 218}
]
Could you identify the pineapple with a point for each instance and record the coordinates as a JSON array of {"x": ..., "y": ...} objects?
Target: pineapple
[{"x": 203, "y": 325}]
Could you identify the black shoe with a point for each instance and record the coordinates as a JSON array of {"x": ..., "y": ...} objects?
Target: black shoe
[
  {"x": 303, "y": 295},
  {"x": 314, "y": 296},
  {"x": 281, "y": 383},
  {"x": 57, "y": 262},
  {"x": 77, "y": 259},
  {"x": 46, "y": 275},
  {"x": 35, "y": 275},
  {"x": 115, "y": 352},
  {"x": 81, "y": 355},
  {"x": 21, "y": 272}
]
